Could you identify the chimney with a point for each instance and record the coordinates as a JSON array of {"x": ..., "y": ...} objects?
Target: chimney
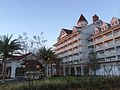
[{"x": 95, "y": 18}]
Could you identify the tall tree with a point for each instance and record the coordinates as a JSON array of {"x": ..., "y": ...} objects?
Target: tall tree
[
  {"x": 47, "y": 56},
  {"x": 32, "y": 68},
  {"x": 33, "y": 43},
  {"x": 93, "y": 63},
  {"x": 7, "y": 47},
  {"x": 57, "y": 62}
]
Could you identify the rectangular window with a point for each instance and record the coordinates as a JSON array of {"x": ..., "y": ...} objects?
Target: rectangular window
[
  {"x": 113, "y": 24},
  {"x": 116, "y": 22}
]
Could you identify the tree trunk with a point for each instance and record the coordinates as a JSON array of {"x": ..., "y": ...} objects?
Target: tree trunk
[
  {"x": 94, "y": 72},
  {"x": 57, "y": 71},
  {"x": 50, "y": 69},
  {"x": 47, "y": 71},
  {"x": 3, "y": 70}
]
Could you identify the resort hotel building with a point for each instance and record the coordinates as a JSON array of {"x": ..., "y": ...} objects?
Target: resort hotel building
[{"x": 74, "y": 47}]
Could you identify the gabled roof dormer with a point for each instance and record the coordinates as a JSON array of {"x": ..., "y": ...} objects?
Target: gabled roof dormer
[
  {"x": 105, "y": 26},
  {"x": 64, "y": 32},
  {"x": 97, "y": 30},
  {"x": 74, "y": 29},
  {"x": 82, "y": 21},
  {"x": 115, "y": 21}
]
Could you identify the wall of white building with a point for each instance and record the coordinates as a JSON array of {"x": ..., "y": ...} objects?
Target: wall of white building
[{"x": 13, "y": 64}]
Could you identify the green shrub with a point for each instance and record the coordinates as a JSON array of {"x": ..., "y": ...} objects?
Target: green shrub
[{"x": 68, "y": 83}]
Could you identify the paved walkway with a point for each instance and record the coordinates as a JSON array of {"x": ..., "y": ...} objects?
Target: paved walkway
[{"x": 11, "y": 80}]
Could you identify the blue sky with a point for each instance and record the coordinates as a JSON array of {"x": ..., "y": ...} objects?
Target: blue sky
[{"x": 49, "y": 16}]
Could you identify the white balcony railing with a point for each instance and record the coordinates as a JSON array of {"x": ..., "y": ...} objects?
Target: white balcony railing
[
  {"x": 98, "y": 41},
  {"x": 100, "y": 56},
  {"x": 76, "y": 44},
  {"x": 99, "y": 48},
  {"x": 110, "y": 54},
  {"x": 75, "y": 38},
  {"x": 76, "y": 58},
  {"x": 90, "y": 43},
  {"x": 75, "y": 51},
  {"x": 106, "y": 38},
  {"x": 117, "y": 43},
  {"x": 70, "y": 59},
  {"x": 108, "y": 46},
  {"x": 69, "y": 47},
  {"x": 70, "y": 53},
  {"x": 117, "y": 34}
]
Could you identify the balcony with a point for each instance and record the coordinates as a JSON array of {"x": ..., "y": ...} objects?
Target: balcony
[
  {"x": 90, "y": 44},
  {"x": 108, "y": 46},
  {"x": 100, "y": 56},
  {"x": 116, "y": 34},
  {"x": 75, "y": 51},
  {"x": 117, "y": 43},
  {"x": 69, "y": 41},
  {"x": 75, "y": 38},
  {"x": 69, "y": 47},
  {"x": 70, "y": 53},
  {"x": 99, "y": 48},
  {"x": 76, "y": 61},
  {"x": 64, "y": 60},
  {"x": 64, "y": 54},
  {"x": 118, "y": 51},
  {"x": 70, "y": 59},
  {"x": 75, "y": 44},
  {"x": 99, "y": 41},
  {"x": 110, "y": 54},
  {"x": 106, "y": 38},
  {"x": 76, "y": 58}
]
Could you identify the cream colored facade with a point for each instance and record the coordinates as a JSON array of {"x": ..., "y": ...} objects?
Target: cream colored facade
[
  {"x": 73, "y": 46},
  {"x": 106, "y": 43}
]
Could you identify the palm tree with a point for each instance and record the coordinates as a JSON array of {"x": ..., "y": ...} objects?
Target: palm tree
[
  {"x": 7, "y": 47},
  {"x": 48, "y": 57}
]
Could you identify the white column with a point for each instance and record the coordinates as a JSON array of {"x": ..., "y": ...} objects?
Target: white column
[
  {"x": 69, "y": 71},
  {"x": 13, "y": 70},
  {"x": 82, "y": 72},
  {"x": 114, "y": 46},
  {"x": 64, "y": 72},
  {"x": 75, "y": 70}
]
